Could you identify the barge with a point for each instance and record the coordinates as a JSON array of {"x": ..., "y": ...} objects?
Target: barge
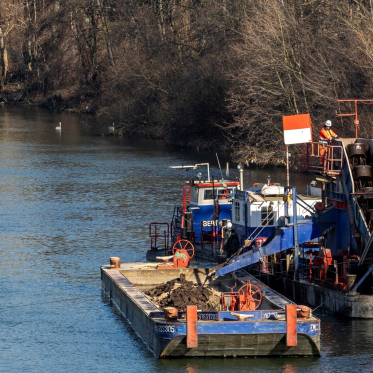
[{"x": 242, "y": 327}]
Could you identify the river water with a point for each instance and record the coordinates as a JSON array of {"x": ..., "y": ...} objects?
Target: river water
[{"x": 68, "y": 203}]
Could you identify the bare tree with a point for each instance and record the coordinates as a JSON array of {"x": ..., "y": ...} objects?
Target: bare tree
[
  {"x": 288, "y": 64},
  {"x": 8, "y": 20}
]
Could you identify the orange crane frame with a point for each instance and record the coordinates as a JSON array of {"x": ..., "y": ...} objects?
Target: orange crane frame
[{"x": 356, "y": 121}]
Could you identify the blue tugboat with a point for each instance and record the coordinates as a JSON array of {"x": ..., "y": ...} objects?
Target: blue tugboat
[
  {"x": 205, "y": 209},
  {"x": 211, "y": 207},
  {"x": 206, "y": 204}
]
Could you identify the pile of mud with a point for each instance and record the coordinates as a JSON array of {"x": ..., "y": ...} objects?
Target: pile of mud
[{"x": 180, "y": 293}]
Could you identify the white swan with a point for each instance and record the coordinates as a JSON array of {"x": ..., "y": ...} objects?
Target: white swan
[
  {"x": 58, "y": 128},
  {"x": 111, "y": 128}
]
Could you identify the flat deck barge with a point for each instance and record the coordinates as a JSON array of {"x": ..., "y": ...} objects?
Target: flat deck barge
[{"x": 275, "y": 328}]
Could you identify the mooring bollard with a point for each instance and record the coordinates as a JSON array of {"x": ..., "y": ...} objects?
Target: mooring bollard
[
  {"x": 114, "y": 262},
  {"x": 170, "y": 313}
]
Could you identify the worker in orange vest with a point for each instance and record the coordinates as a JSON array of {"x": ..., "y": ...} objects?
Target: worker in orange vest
[{"x": 326, "y": 135}]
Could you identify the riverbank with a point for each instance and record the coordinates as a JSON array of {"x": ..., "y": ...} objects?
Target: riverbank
[{"x": 96, "y": 124}]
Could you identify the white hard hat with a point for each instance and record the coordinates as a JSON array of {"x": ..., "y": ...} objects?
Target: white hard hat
[
  {"x": 328, "y": 123},
  {"x": 229, "y": 224}
]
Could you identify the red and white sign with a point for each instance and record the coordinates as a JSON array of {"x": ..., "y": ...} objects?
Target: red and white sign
[{"x": 297, "y": 129}]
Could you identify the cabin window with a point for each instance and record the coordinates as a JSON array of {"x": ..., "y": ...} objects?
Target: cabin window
[
  {"x": 225, "y": 193},
  {"x": 267, "y": 215},
  {"x": 194, "y": 194},
  {"x": 237, "y": 211},
  {"x": 208, "y": 194}
]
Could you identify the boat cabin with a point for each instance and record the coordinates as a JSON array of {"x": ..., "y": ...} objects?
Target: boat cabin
[
  {"x": 208, "y": 202},
  {"x": 203, "y": 193},
  {"x": 257, "y": 211}
]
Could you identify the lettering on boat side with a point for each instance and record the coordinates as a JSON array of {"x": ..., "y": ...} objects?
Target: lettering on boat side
[
  {"x": 209, "y": 223},
  {"x": 314, "y": 327},
  {"x": 164, "y": 328},
  {"x": 208, "y": 316},
  {"x": 267, "y": 315}
]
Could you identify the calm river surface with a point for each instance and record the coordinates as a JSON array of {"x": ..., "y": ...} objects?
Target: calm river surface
[{"x": 68, "y": 203}]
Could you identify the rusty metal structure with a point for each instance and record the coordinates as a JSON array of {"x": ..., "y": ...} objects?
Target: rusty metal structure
[
  {"x": 247, "y": 298},
  {"x": 182, "y": 253},
  {"x": 356, "y": 120}
]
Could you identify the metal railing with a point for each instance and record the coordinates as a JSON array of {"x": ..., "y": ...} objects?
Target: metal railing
[
  {"x": 157, "y": 235},
  {"x": 324, "y": 159}
]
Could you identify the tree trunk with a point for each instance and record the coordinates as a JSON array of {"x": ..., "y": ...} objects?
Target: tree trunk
[
  {"x": 3, "y": 60},
  {"x": 106, "y": 33}
]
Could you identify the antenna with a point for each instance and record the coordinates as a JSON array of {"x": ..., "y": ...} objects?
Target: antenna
[{"x": 219, "y": 166}]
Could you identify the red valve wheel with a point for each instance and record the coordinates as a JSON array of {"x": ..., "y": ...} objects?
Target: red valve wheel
[
  {"x": 184, "y": 245},
  {"x": 250, "y": 297}
]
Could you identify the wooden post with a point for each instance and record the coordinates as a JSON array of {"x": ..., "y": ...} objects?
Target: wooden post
[{"x": 191, "y": 320}]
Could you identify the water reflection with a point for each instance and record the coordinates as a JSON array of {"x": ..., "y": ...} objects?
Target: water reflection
[
  {"x": 289, "y": 368},
  {"x": 347, "y": 337}
]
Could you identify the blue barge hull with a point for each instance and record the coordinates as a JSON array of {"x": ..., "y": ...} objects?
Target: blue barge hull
[{"x": 220, "y": 334}]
